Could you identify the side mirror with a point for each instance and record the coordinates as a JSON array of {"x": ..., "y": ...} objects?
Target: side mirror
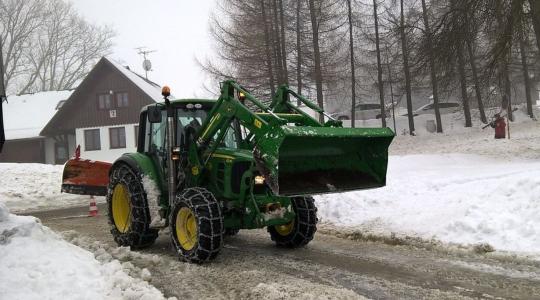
[{"x": 154, "y": 114}]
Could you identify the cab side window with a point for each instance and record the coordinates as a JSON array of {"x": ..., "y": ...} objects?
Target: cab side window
[{"x": 156, "y": 133}]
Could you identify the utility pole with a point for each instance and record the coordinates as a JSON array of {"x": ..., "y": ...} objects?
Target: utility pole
[{"x": 147, "y": 65}]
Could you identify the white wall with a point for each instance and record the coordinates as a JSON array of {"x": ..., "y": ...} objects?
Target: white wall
[{"x": 106, "y": 153}]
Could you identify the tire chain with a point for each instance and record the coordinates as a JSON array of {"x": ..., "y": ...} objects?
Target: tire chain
[
  {"x": 139, "y": 235},
  {"x": 209, "y": 224},
  {"x": 305, "y": 224}
]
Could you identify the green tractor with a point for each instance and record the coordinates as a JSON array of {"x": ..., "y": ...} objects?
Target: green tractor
[{"x": 207, "y": 168}]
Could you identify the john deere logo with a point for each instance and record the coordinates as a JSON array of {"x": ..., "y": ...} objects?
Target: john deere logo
[
  {"x": 257, "y": 123},
  {"x": 195, "y": 171}
]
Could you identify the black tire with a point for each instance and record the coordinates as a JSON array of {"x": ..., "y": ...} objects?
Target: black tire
[
  {"x": 304, "y": 225},
  {"x": 231, "y": 232},
  {"x": 208, "y": 239},
  {"x": 139, "y": 234}
]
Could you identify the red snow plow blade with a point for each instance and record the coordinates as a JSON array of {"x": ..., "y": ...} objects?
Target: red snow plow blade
[{"x": 86, "y": 177}]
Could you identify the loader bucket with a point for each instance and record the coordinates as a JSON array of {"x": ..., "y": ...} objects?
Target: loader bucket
[
  {"x": 317, "y": 160},
  {"x": 86, "y": 177}
]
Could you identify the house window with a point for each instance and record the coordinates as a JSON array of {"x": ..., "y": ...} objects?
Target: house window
[
  {"x": 122, "y": 100},
  {"x": 136, "y": 135},
  {"x": 117, "y": 137},
  {"x": 92, "y": 141},
  {"x": 105, "y": 102}
]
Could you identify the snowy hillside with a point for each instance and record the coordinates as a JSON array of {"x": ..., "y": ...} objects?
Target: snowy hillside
[{"x": 39, "y": 264}]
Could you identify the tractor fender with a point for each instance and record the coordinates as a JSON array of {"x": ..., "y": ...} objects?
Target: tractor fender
[{"x": 143, "y": 165}]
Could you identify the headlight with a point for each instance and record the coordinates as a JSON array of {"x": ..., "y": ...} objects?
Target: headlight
[{"x": 259, "y": 179}]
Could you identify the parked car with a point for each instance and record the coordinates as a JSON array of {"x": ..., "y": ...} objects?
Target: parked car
[
  {"x": 363, "y": 111},
  {"x": 444, "y": 108}
]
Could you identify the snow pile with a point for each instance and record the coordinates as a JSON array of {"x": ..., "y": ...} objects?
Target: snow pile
[
  {"x": 34, "y": 187},
  {"x": 39, "y": 264},
  {"x": 454, "y": 198},
  {"x": 523, "y": 143},
  {"x": 153, "y": 195}
]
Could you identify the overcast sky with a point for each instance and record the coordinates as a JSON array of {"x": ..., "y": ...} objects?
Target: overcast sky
[{"x": 177, "y": 29}]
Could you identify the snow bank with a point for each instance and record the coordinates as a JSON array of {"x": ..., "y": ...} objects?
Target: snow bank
[
  {"x": 455, "y": 198},
  {"x": 39, "y": 264},
  {"x": 34, "y": 187}
]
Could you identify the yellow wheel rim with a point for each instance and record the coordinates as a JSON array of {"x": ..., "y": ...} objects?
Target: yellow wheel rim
[
  {"x": 186, "y": 228},
  {"x": 121, "y": 208},
  {"x": 285, "y": 229}
]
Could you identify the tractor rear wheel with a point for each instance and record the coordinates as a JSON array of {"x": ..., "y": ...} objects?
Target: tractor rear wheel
[
  {"x": 196, "y": 224},
  {"x": 127, "y": 205},
  {"x": 300, "y": 231}
]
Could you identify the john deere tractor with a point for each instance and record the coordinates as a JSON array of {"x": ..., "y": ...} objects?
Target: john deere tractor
[{"x": 207, "y": 168}]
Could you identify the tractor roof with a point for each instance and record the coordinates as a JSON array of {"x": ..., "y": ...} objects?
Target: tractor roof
[{"x": 185, "y": 101}]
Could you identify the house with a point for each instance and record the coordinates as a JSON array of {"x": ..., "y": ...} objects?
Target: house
[
  {"x": 24, "y": 118},
  {"x": 102, "y": 114}
]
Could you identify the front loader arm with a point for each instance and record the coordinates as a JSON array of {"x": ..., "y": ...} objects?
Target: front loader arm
[{"x": 295, "y": 153}]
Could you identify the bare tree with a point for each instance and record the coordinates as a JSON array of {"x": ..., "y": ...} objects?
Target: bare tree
[
  {"x": 19, "y": 21},
  {"x": 49, "y": 46}
]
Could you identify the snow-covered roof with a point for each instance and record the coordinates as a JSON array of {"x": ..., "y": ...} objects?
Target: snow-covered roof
[
  {"x": 26, "y": 115},
  {"x": 150, "y": 88}
]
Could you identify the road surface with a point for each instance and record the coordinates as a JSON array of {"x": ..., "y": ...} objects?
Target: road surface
[{"x": 250, "y": 266}]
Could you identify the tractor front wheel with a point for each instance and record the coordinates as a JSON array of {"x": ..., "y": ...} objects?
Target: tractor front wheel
[
  {"x": 300, "y": 231},
  {"x": 196, "y": 224},
  {"x": 127, "y": 204}
]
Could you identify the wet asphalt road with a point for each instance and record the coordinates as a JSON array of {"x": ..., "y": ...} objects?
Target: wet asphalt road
[{"x": 250, "y": 266}]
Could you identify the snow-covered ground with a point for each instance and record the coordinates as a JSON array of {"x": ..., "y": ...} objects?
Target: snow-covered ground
[
  {"x": 454, "y": 198},
  {"x": 30, "y": 187},
  {"x": 36, "y": 263}
]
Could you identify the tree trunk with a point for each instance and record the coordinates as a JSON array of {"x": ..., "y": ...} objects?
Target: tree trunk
[
  {"x": 504, "y": 73},
  {"x": 353, "y": 70},
  {"x": 535, "y": 15},
  {"x": 406, "y": 70},
  {"x": 463, "y": 83},
  {"x": 432, "y": 67},
  {"x": 317, "y": 57},
  {"x": 298, "y": 49},
  {"x": 507, "y": 95},
  {"x": 379, "y": 66},
  {"x": 277, "y": 44},
  {"x": 526, "y": 78},
  {"x": 472, "y": 62},
  {"x": 283, "y": 43},
  {"x": 267, "y": 50},
  {"x": 2, "y": 82}
]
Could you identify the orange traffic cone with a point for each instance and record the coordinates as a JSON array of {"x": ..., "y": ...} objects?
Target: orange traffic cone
[{"x": 93, "y": 210}]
